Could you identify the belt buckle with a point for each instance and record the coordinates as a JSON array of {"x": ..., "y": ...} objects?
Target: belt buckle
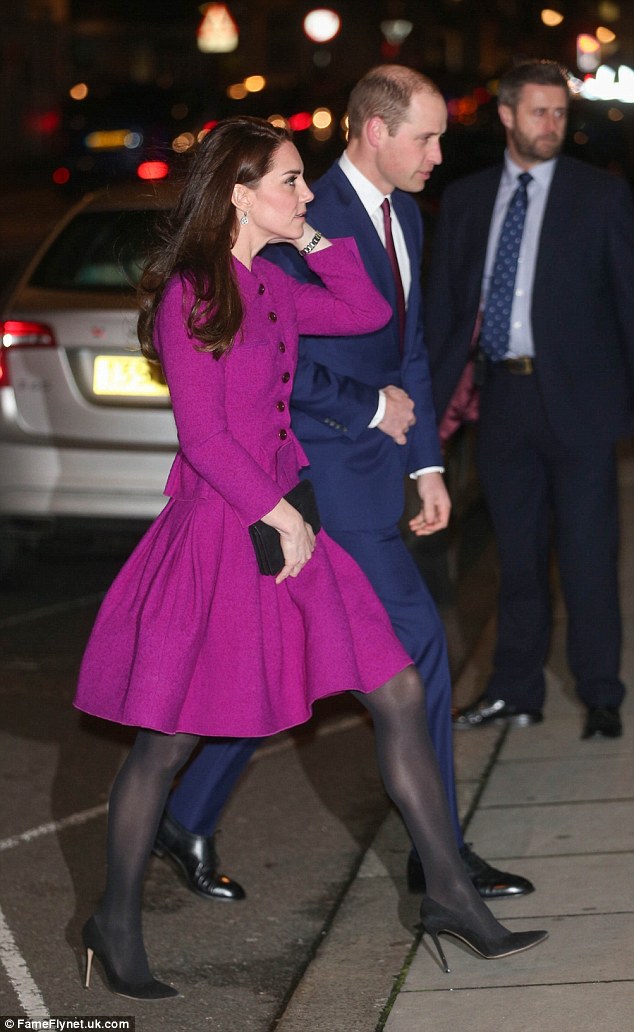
[{"x": 522, "y": 365}]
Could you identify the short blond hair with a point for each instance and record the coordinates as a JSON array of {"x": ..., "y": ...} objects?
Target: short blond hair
[{"x": 386, "y": 91}]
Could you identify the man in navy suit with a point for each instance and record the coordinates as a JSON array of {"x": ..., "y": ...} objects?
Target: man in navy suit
[
  {"x": 555, "y": 397},
  {"x": 362, "y": 409}
]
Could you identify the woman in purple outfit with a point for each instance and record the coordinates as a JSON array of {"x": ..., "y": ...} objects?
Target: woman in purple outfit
[{"x": 191, "y": 639}]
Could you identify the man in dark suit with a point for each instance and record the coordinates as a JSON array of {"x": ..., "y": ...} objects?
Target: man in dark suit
[
  {"x": 362, "y": 406},
  {"x": 542, "y": 250}
]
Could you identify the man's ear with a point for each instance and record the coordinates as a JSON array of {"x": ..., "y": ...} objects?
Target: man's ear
[
  {"x": 375, "y": 130},
  {"x": 507, "y": 116}
]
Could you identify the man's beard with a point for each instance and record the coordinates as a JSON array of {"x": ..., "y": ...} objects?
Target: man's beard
[{"x": 541, "y": 149}]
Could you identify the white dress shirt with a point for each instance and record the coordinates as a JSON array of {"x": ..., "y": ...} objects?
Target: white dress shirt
[
  {"x": 521, "y": 333},
  {"x": 372, "y": 199}
]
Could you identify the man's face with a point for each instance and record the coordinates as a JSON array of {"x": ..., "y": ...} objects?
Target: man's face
[
  {"x": 406, "y": 159},
  {"x": 536, "y": 127}
]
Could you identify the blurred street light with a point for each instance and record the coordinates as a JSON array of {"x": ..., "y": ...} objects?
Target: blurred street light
[
  {"x": 79, "y": 91},
  {"x": 254, "y": 83},
  {"x": 217, "y": 32},
  {"x": 610, "y": 85},
  {"x": 322, "y": 24},
  {"x": 605, "y": 35},
  {"x": 397, "y": 30},
  {"x": 588, "y": 52},
  {"x": 551, "y": 18},
  {"x": 609, "y": 11},
  {"x": 237, "y": 91}
]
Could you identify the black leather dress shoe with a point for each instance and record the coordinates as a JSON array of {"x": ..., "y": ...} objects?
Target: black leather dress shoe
[
  {"x": 490, "y": 883},
  {"x": 195, "y": 857},
  {"x": 603, "y": 722},
  {"x": 484, "y": 712}
]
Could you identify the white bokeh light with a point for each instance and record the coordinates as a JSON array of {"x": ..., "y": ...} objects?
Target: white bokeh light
[{"x": 322, "y": 24}]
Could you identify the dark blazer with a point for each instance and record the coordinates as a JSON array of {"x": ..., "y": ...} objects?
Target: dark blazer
[
  {"x": 583, "y": 296},
  {"x": 358, "y": 473}
]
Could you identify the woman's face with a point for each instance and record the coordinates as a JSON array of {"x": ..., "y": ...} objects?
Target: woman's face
[{"x": 277, "y": 209}]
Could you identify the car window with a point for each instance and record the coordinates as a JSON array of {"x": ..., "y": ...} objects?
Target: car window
[{"x": 98, "y": 250}]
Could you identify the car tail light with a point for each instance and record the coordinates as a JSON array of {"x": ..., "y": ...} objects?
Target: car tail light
[
  {"x": 22, "y": 333},
  {"x": 153, "y": 170}
]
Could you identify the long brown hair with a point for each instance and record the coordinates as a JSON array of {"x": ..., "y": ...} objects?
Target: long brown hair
[{"x": 196, "y": 236}]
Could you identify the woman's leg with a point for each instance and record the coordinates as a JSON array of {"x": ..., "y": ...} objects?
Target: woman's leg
[
  {"x": 411, "y": 777},
  {"x": 136, "y": 804}
]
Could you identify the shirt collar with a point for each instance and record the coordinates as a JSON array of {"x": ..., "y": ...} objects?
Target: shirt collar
[
  {"x": 370, "y": 196},
  {"x": 542, "y": 173}
]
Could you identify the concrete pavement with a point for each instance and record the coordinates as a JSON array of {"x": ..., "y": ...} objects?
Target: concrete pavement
[{"x": 537, "y": 800}]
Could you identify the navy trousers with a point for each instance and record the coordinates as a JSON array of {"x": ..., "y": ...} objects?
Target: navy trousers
[
  {"x": 540, "y": 489},
  {"x": 383, "y": 556},
  {"x": 207, "y": 782}
]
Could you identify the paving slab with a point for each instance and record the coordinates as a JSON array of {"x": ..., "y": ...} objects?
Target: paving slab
[
  {"x": 582, "y": 948},
  {"x": 546, "y": 781},
  {"x": 580, "y": 1008},
  {"x": 600, "y": 883},
  {"x": 557, "y": 738},
  {"x": 473, "y": 751},
  {"x": 565, "y": 829}
]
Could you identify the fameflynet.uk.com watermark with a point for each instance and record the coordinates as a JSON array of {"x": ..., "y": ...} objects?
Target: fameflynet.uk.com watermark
[{"x": 65, "y": 1024}]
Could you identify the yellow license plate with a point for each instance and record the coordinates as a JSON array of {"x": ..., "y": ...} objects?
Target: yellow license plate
[{"x": 127, "y": 376}]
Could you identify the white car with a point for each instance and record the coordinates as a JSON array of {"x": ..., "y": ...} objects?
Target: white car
[{"x": 86, "y": 427}]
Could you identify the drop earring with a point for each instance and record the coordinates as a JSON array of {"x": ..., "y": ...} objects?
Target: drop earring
[{"x": 244, "y": 221}]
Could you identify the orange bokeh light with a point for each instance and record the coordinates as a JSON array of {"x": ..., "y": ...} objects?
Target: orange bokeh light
[{"x": 587, "y": 44}]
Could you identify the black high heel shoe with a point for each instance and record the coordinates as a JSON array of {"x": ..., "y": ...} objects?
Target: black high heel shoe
[
  {"x": 95, "y": 946},
  {"x": 436, "y": 919}
]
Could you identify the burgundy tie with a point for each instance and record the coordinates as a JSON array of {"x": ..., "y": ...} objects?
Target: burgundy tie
[{"x": 391, "y": 253}]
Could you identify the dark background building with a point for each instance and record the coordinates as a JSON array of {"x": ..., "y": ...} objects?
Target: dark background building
[{"x": 140, "y": 58}]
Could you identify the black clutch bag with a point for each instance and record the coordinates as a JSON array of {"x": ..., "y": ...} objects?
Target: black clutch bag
[{"x": 266, "y": 540}]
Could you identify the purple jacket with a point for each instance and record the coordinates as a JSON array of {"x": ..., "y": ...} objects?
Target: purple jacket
[{"x": 232, "y": 414}]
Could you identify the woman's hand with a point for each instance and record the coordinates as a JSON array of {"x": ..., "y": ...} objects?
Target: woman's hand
[{"x": 296, "y": 537}]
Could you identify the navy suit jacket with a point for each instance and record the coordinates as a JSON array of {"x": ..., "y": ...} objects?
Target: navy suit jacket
[
  {"x": 358, "y": 473},
  {"x": 583, "y": 296}
]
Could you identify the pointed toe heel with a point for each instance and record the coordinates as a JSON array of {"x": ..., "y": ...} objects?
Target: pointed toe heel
[
  {"x": 437, "y": 920},
  {"x": 95, "y": 946}
]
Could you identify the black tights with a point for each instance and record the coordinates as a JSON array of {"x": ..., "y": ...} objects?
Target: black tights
[
  {"x": 136, "y": 805},
  {"x": 410, "y": 774},
  {"x": 411, "y": 777}
]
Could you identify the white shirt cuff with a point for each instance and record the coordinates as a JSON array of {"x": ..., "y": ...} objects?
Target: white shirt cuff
[
  {"x": 428, "y": 469},
  {"x": 380, "y": 412}
]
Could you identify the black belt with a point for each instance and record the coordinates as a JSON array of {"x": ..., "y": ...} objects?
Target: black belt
[{"x": 483, "y": 367}]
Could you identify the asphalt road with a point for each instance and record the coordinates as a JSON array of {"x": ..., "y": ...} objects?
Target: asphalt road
[{"x": 297, "y": 828}]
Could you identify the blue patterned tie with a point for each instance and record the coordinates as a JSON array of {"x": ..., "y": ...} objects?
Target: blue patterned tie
[{"x": 496, "y": 319}]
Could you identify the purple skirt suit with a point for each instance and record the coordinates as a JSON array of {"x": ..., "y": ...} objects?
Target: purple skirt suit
[{"x": 191, "y": 637}]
